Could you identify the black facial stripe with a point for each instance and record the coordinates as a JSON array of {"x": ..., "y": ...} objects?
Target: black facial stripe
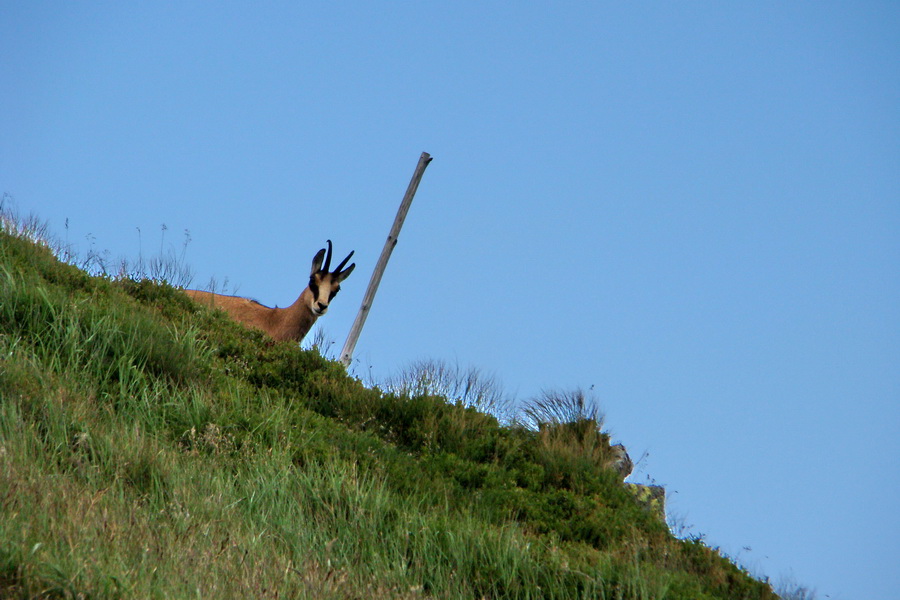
[{"x": 314, "y": 288}]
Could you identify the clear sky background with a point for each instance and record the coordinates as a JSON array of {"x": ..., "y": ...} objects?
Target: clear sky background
[{"x": 693, "y": 207}]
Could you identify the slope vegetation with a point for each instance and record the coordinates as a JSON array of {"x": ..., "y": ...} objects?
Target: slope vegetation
[{"x": 153, "y": 449}]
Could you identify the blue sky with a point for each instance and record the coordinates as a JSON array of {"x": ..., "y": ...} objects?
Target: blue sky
[{"x": 692, "y": 207}]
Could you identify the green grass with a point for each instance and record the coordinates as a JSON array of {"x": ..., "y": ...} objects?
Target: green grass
[{"x": 153, "y": 449}]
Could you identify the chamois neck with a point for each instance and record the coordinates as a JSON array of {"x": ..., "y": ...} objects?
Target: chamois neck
[
  {"x": 304, "y": 301},
  {"x": 295, "y": 321}
]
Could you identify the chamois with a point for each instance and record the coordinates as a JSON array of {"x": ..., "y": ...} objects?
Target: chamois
[{"x": 295, "y": 321}]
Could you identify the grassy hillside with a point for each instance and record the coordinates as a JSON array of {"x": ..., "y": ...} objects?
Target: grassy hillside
[{"x": 153, "y": 449}]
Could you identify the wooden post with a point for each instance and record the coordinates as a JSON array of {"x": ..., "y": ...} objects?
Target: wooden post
[{"x": 347, "y": 352}]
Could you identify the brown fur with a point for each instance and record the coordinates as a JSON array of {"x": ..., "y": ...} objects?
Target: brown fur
[{"x": 284, "y": 324}]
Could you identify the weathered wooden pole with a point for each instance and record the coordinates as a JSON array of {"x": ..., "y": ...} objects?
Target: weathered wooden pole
[{"x": 347, "y": 352}]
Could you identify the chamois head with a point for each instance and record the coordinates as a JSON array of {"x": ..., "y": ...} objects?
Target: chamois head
[{"x": 325, "y": 284}]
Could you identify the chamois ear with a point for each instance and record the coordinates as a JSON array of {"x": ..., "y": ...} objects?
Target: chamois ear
[
  {"x": 342, "y": 275},
  {"x": 317, "y": 262}
]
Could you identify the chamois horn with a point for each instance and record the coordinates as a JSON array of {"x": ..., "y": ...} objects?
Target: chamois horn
[
  {"x": 343, "y": 262},
  {"x": 327, "y": 257}
]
